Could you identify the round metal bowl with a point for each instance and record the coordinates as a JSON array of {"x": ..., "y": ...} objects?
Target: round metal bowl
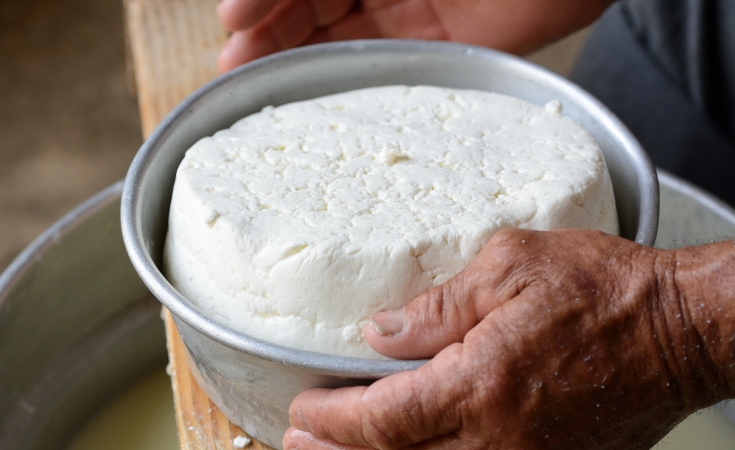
[
  {"x": 253, "y": 381},
  {"x": 76, "y": 326}
]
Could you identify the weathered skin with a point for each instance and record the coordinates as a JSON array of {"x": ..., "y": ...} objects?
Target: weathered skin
[
  {"x": 261, "y": 27},
  {"x": 567, "y": 339}
]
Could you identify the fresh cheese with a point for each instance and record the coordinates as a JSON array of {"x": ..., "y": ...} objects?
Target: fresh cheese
[{"x": 301, "y": 221}]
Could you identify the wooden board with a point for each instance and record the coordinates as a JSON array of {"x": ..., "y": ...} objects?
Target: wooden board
[{"x": 173, "y": 46}]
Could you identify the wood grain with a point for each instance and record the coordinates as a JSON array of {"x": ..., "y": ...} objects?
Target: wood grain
[{"x": 173, "y": 46}]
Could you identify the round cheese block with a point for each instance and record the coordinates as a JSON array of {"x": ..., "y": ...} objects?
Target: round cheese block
[{"x": 301, "y": 221}]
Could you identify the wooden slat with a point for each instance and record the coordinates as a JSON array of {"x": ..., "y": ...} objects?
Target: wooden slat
[{"x": 173, "y": 47}]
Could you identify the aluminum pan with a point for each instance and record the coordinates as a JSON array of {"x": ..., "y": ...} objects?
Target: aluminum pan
[
  {"x": 323, "y": 69},
  {"x": 76, "y": 325}
]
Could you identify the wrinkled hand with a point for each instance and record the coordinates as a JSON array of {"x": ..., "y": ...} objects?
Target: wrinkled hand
[
  {"x": 261, "y": 27},
  {"x": 567, "y": 340}
]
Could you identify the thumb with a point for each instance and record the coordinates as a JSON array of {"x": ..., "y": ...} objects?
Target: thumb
[
  {"x": 444, "y": 314},
  {"x": 435, "y": 319}
]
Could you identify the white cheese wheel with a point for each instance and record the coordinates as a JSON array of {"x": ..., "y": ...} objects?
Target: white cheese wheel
[{"x": 301, "y": 221}]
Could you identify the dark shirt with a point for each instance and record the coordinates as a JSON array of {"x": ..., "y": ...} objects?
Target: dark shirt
[
  {"x": 666, "y": 68},
  {"x": 693, "y": 41}
]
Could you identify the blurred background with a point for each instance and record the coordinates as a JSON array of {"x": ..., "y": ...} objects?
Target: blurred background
[
  {"x": 69, "y": 123},
  {"x": 68, "y": 117}
]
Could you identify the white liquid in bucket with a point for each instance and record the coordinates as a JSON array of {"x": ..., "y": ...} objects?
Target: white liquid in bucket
[{"x": 142, "y": 418}]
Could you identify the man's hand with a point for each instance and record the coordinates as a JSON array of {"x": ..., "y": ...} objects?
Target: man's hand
[
  {"x": 261, "y": 27},
  {"x": 567, "y": 340}
]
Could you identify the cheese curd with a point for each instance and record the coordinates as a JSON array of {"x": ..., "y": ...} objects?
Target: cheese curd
[{"x": 301, "y": 221}]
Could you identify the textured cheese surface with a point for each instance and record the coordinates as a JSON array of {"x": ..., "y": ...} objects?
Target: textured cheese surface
[{"x": 299, "y": 222}]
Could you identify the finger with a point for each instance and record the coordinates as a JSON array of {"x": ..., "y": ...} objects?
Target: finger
[
  {"x": 373, "y": 21},
  {"x": 290, "y": 24},
  {"x": 355, "y": 25},
  {"x": 242, "y": 47},
  {"x": 295, "y": 439},
  {"x": 329, "y": 11},
  {"x": 302, "y": 440},
  {"x": 426, "y": 325},
  {"x": 445, "y": 313},
  {"x": 397, "y": 411},
  {"x": 390, "y": 19},
  {"x": 241, "y": 14}
]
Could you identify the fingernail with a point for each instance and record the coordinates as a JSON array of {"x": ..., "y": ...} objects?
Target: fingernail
[
  {"x": 299, "y": 422},
  {"x": 388, "y": 322}
]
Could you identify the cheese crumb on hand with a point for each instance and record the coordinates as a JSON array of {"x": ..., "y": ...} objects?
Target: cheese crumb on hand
[{"x": 301, "y": 221}]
